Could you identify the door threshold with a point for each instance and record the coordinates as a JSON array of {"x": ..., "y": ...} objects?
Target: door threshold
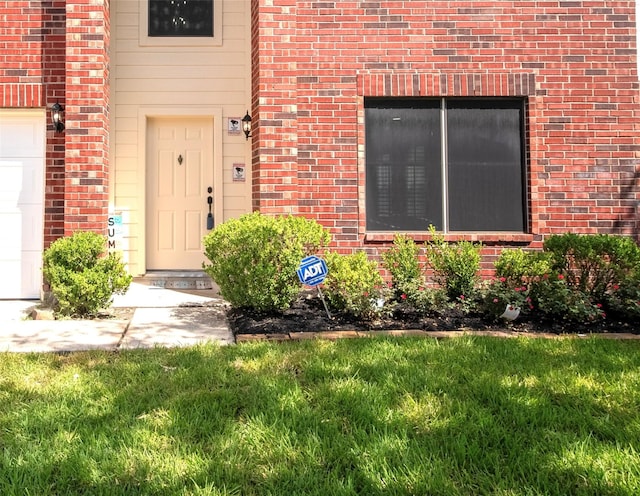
[
  {"x": 175, "y": 273},
  {"x": 176, "y": 279}
]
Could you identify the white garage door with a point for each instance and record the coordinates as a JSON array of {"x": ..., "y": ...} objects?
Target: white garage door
[{"x": 22, "y": 150}]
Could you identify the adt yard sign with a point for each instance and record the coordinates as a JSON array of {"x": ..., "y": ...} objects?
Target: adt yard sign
[{"x": 312, "y": 270}]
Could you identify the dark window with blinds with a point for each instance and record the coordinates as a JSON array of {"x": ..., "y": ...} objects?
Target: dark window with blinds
[
  {"x": 457, "y": 164},
  {"x": 179, "y": 18}
]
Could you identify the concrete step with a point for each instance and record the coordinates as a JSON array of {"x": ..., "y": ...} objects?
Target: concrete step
[{"x": 170, "y": 279}]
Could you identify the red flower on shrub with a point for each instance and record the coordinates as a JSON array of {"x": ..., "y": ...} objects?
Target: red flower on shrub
[
  {"x": 462, "y": 297},
  {"x": 560, "y": 277},
  {"x": 403, "y": 296},
  {"x": 503, "y": 279}
]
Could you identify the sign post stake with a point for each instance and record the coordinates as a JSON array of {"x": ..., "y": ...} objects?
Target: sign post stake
[
  {"x": 324, "y": 302},
  {"x": 312, "y": 272}
]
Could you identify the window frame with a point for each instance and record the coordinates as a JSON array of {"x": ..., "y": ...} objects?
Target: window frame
[
  {"x": 178, "y": 41},
  {"x": 516, "y": 102}
]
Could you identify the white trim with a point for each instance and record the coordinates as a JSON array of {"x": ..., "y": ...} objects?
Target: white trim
[{"x": 179, "y": 41}]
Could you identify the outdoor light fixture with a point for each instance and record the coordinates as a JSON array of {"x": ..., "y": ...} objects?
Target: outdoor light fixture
[
  {"x": 56, "y": 117},
  {"x": 246, "y": 125}
]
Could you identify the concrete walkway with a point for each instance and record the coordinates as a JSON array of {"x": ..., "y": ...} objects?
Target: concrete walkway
[
  {"x": 148, "y": 317},
  {"x": 158, "y": 317}
]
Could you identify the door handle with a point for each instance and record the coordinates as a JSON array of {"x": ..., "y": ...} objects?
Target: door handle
[{"x": 210, "y": 215}]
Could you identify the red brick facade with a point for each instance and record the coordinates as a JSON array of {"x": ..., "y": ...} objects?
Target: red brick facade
[
  {"x": 574, "y": 62},
  {"x": 87, "y": 112},
  {"x": 314, "y": 63}
]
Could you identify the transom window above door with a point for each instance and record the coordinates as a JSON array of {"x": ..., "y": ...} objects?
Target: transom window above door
[
  {"x": 457, "y": 164},
  {"x": 177, "y": 18},
  {"x": 180, "y": 23}
]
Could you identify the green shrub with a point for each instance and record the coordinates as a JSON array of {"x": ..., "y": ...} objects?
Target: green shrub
[
  {"x": 254, "y": 258},
  {"x": 424, "y": 300},
  {"x": 401, "y": 260},
  {"x": 554, "y": 298},
  {"x": 518, "y": 266},
  {"x": 455, "y": 266},
  {"x": 354, "y": 284},
  {"x": 82, "y": 280},
  {"x": 593, "y": 263},
  {"x": 516, "y": 270},
  {"x": 623, "y": 300},
  {"x": 498, "y": 293}
]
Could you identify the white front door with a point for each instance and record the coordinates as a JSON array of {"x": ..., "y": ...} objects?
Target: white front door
[
  {"x": 22, "y": 152},
  {"x": 179, "y": 173}
]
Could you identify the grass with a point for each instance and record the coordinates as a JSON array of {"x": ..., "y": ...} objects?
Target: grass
[{"x": 467, "y": 416}]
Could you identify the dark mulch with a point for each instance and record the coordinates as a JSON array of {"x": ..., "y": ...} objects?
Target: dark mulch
[{"x": 308, "y": 315}]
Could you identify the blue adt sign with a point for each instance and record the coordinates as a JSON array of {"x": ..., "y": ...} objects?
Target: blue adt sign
[{"x": 312, "y": 270}]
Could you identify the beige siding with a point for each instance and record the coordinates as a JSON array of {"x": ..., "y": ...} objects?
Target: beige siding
[{"x": 176, "y": 81}]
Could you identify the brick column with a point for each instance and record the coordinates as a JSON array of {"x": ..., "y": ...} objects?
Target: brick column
[
  {"x": 53, "y": 50},
  {"x": 87, "y": 116},
  {"x": 275, "y": 151}
]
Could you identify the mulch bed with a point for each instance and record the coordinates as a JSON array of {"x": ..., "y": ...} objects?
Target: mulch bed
[{"x": 307, "y": 314}]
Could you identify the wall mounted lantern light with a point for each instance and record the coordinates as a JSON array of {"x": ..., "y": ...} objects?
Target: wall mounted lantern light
[
  {"x": 56, "y": 117},
  {"x": 246, "y": 125}
]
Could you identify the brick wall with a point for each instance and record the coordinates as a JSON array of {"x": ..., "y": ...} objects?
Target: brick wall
[
  {"x": 87, "y": 116},
  {"x": 274, "y": 77},
  {"x": 575, "y": 62},
  {"x": 21, "y": 54}
]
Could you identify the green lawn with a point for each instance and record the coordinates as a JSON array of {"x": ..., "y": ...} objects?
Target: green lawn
[{"x": 385, "y": 416}]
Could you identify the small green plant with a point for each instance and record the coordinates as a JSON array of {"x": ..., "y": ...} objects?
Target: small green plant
[
  {"x": 409, "y": 285},
  {"x": 254, "y": 258},
  {"x": 553, "y": 297},
  {"x": 517, "y": 266},
  {"x": 515, "y": 271},
  {"x": 354, "y": 284},
  {"x": 455, "y": 265},
  {"x": 498, "y": 293},
  {"x": 593, "y": 263},
  {"x": 623, "y": 300},
  {"x": 423, "y": 299},
  {"x": 401, "y": 260},
  {"x": 82, "y": 278}
]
